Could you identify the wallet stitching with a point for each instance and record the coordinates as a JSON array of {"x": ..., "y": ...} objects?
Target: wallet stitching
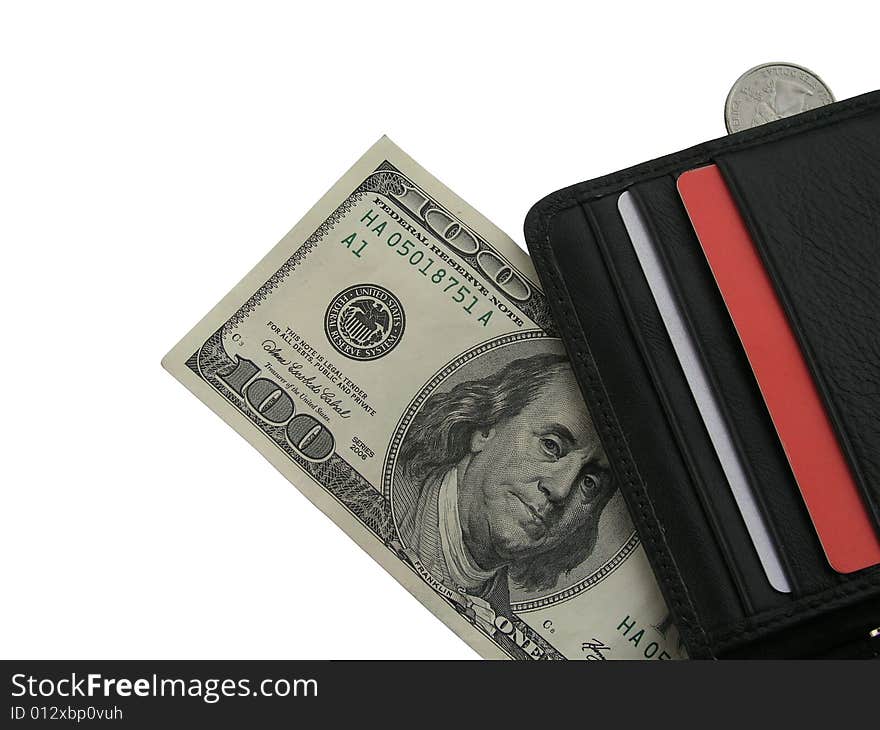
[
  {"x": 678, "y": 592},
  {"x": 835, "y": 597},
  {"x": 684, "y": 450},
  {"x": 569, "y": 198}
]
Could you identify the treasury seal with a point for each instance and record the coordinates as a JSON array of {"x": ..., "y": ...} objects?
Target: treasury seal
[{"x": 364, "y": 322}]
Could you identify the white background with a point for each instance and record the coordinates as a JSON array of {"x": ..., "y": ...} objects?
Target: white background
[{"x": 151, "y": 153}]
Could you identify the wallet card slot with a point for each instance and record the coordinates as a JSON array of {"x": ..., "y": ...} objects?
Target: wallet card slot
[
  {"x": 600, "y": 312},
  {"x": 708, "y": 482},
  {"x": 812, "y": 207},
  {"x": 735, "y": 388},
  {"x": 828, "y": 610},
  {"x": 712, "y": 500}
]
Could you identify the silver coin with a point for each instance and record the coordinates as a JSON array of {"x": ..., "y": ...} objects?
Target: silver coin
[{"x": 773, "y": 91}]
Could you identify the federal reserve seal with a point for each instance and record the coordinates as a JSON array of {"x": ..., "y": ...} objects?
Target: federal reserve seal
[
  {"x": 773, "y": 91},
  {"x": 364, "y": 322}
]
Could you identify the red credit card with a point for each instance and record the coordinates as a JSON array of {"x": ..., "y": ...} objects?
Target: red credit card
[{"x": 833, "y": 500}]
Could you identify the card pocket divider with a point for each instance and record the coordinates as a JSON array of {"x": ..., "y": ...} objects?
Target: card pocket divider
[
  {"x": 684, "y": 423},
  {"x": 819, "y": 619},
  {"x": 735, "y": 388},
  {"x": 643, "y": 454},
  {"x": 813, "y": 212}
]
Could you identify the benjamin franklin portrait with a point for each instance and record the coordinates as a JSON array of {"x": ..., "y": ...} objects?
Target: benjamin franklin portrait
[{"x": 501, "y": 480}]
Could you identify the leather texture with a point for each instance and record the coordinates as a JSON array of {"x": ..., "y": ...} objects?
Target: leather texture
[
  {"x": 635, "y": 391},
  {"x": 734, "y": 388},
  {"x": 702, "y": 490},
  {"x": 826, "y": 267}
]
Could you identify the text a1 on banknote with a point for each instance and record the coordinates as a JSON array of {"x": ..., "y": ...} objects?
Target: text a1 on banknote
[{"x": 394, "y": 357}]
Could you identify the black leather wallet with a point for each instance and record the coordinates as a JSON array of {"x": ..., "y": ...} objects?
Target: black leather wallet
[{"x": 808, "y": 188}]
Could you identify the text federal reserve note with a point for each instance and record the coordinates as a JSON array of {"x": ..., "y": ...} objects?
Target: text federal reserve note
[{"x": 394, "y": 358}]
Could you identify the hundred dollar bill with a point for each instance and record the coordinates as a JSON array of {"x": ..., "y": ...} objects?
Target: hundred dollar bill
[{"x": 394, "y": 357}]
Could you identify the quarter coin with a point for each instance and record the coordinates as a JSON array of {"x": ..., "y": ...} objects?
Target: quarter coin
[{"x": 773, "y": 91}]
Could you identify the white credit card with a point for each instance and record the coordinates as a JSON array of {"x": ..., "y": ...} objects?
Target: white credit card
[{"x": 695, "y": 374}]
